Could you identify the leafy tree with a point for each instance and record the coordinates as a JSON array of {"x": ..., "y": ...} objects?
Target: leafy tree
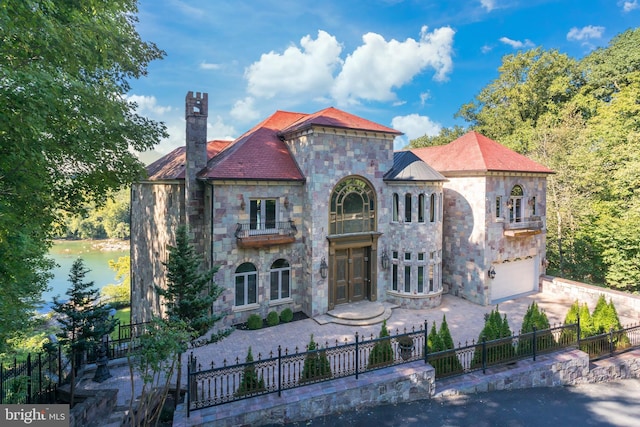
[
  {"x": 119, "y": 295},
  {"x": 250, "y": 382},
  {"x": 316, "y": 365},
  {"x": 68, "y": 130},
  {"x": 154, "y": 359},
  {"x": 382, "y": 351},
  {"x": 445, "y": 136},
  {"x": 84, "y": 320}
]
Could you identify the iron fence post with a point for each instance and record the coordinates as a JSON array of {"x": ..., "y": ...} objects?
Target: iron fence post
[
  {"x": 188, "y": 399},
  {"x": 279, "y": 371},
  {"x": 357, "y": 356},
  {"x": 484, "y": 354},
  {"x": 39, "y": 373},
  {"x": 535, "y": 342},
  {"x": 59, "y": 365},
  {"x": 1, "y": 383},
  {"x": 578, "y": 332},
  {"x": 611, "y": 346},
  {"x": 426, "y": 343},
  {"x": 29, "y": 378}
]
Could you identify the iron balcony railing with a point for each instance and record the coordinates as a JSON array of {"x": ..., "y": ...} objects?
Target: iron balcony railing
[{"x": 281, "y": 228}]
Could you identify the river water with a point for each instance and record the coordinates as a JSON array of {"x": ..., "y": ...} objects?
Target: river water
[{"x": 95, "y": 257}]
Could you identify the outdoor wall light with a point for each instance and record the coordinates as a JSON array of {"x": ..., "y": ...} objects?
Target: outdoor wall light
[
  {"x": 323, "y": 268},
  {"x": 491, "y": 273},
  {"x": 286, "y": 202},
  {"x": 384, "y": 260},
  {"x": 243, "y": 205}
]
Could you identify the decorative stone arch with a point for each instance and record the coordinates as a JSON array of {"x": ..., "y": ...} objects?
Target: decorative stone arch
[{"x": 353, "y": 241}]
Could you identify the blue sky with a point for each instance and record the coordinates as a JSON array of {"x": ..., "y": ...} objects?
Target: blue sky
[{"x": 407, "y": 64}]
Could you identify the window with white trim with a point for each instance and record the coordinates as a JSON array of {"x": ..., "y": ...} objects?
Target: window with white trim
[
  {"x": 432, "y": 207},
  {"x": 246, "y": 279},
  {"x": 262, "y": 214},
  {"x": 395, "y": 207},
  {"x": 421, "y": 207},
  {"x": 394, "y": 270},
  {"x": 280, "y": 273},
  {"x": 515, "y": 204},
  {"x": 407, "y": 207}
]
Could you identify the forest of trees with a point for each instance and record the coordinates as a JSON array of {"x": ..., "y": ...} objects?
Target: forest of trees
[{"x": 580, "y": 118}]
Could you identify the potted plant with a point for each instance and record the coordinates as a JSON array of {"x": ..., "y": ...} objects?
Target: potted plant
[{"x": 405, "y": 345}]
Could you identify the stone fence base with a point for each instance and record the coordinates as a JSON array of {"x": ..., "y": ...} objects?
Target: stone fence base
[
  {"x": 413, "y": 381},
  {"x": 396, "y": 384}
]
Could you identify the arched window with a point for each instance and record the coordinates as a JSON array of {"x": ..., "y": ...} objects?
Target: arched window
[
  {"x": 515, "y": 204},
  {"x": 421, "y": 207},
  {"x": 353, "y": 207},
  {"x": 432, "y": 207},
  {"x": 407, "y": 207},
  {"x": 246, "y": 278},
  {"x": 280, "y": 280},
  {"x": 396, "y": 207}
]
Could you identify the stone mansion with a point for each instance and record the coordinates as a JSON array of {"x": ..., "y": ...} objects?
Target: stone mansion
[{"x": 310, "y": 211}]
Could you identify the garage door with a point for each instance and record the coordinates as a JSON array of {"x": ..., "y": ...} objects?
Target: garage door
[{"x": 514, "y": 278}]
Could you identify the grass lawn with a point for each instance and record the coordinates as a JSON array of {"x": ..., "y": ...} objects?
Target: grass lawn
[{"x": 124, "y": 316}]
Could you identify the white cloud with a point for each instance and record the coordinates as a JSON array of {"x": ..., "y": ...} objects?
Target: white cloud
[
  {"x": 517, "y": 44},
  {"x": 424, "y": 96},
  {"x": 244, "y": 110},
  {"x": 148, "y": 105},
  {"x": 585, "y": 33},
  {"x": 489, "y": 5},
  {"x": 209, "y": 66},
  {"x": 486, "y": 48},
  {"x": 378, "y": 66},
  {"x": 307, "y": 70},
  {"x": 628, "y": 6},
  {"x": 413, "y": 126}
]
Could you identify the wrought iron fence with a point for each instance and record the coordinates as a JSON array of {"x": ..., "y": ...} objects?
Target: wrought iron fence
[
  {"x": 117, "y": 348},
  {"x": 284, "y": 370}
]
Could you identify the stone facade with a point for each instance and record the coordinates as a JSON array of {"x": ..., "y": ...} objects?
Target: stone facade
[{"x": 474, "y": 231}]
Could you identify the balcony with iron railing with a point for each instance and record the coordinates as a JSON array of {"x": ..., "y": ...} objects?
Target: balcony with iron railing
[
  {"x": 527, "y": 226},
  {"x": 257, "y": 235}
]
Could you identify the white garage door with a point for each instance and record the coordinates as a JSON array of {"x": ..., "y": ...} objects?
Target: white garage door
[{"x": 514, "y": 278}]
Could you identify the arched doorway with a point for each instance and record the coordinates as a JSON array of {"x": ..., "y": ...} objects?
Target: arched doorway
[{"x": 352, "y": 242}]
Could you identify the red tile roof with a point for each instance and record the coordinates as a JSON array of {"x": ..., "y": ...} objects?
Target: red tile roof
[
  {"x": 332, "y": 117},
  {"x": 473, "y": 152},
  {"x": 172, "y": 165},
  {"x": 260, "y": 154}
]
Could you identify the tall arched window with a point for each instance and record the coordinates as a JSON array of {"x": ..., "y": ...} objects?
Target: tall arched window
[
  {"x": 515, "y": 204},
  {"x": 246, "y": 278},
  {"x": 407, "y": 207},
  {"x": 353, "y": 207},
  {"x": 421, "y": 207},
  {"x": 432, "y": 207},
  {"x": 395, "y": 207},
  {"x": 280, "y": 280}
]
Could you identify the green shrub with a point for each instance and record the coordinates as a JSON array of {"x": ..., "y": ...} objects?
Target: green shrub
[
  {"x": 495, "y": 327},
  {"x": 254, "y": 322},
  {"x": 535, "y": 318},
  {"x": 272, "y": 318},
  {"x": 286, "y": 316},
  {"x": 250, "y": 382},
  {"x": 316, "y": 364},
  {"x": 382, "y": 352}
]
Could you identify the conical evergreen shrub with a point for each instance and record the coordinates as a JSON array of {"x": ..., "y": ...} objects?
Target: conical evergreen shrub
[
  {"x": 535, "y": 318},
  {"x": 250, "y": 382},
  {"x": 449, "y": 364},
  {"x": 316, "y": 364},
  {"x": 382, "y": 351},
  {"x": 495, "y": 327}
]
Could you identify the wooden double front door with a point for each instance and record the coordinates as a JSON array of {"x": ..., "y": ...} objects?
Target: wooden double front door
[{"x": 351, "y": 275}]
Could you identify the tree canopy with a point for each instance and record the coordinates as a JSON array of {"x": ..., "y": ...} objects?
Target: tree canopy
[{"x": 68, "y": 130}]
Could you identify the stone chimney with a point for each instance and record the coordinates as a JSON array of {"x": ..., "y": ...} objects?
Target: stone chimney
[{"x": 196, "y": 159}]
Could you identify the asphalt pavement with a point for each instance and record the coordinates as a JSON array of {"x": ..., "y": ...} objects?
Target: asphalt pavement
[{"x": 602, "y": 404}]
